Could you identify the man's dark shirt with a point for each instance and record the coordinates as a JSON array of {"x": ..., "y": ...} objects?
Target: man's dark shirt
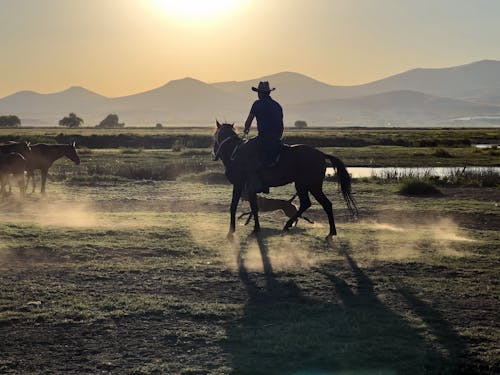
[{"x": 269, "y": 115}]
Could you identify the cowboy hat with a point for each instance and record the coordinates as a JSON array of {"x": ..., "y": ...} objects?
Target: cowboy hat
[{"x": 263, "y": 87}]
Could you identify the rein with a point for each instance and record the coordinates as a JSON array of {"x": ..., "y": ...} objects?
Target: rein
[{"x": 215, "y": 155}]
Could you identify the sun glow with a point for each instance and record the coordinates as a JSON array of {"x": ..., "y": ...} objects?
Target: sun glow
[{"x": 197, "y": 10}]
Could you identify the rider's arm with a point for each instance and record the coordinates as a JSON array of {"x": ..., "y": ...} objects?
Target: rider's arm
[{"x": 248, "y": 122}]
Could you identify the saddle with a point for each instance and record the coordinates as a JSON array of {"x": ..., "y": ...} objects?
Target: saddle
[{"x": 273, "y": 162}]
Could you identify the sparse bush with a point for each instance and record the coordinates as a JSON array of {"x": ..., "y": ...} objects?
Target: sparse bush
[
  {"x": 159, "y": 126},
  {"x": 471, "y": 177},
  {"x": 177, "y": 146},
  {"x": 413, "y": 187},
  {"x": 442, "y": 153},
  {"x": 300, "y": 124},
  {"x": 85, "y": 180},
  {"x": 166, "y": 171}
]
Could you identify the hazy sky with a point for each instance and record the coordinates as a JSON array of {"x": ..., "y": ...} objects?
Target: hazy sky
[{"x": 119, "y": 47}]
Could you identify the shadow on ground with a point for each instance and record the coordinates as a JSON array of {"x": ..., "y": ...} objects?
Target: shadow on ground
[{"x": 343, "y": 329}]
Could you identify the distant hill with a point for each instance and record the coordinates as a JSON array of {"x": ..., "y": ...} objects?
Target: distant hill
[
  {"x": 47, "y": 109},
  {"x": 460, "y": 82},
  {"x": 290, "y": 87},
  {"x": 396, "y": 108},
  {"x": 415, "y": 97}
]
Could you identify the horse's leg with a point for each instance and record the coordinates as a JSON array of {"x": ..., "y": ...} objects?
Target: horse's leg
[
  {"x": 317, "y": 192},
  {"x": 245, "y": 214},
  {"x": 31, "y": 173},
  {"x": 20, "y": 183},
  {"x": 10, "y": 185},
  {"x": 2, "y": 183},
  {"x": 44, "y": 180},
  {"x": 234, "y": 206},
  {"x": 305, "y": 203},
  {"x": 252, "y": 198}
]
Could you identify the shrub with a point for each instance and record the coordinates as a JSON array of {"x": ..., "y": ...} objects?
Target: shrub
[
  {"x": 415, "y": 187},
  {"x": 177, "y": 146},
  {"x": 300, "y": 124},
  {"x": 471, "y": 177},
  {"x": 442, "y": 153}
]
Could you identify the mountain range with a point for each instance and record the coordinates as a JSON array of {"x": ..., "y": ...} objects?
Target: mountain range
[{"x": 463, "y": 94}]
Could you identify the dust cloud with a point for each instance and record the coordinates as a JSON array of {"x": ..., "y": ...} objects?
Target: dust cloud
[
  {"x": 44, "y": 212},
  {"x": 410, "y": 240},
  {"x": 283, "y": 252}
]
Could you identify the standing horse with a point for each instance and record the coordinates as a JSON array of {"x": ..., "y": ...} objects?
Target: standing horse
[
  {"x": 22, "y": 148},
  {"x": 301, "y": 164},
  {"x": 13, "y": 163},
  {"x": 43, "y": 155}
]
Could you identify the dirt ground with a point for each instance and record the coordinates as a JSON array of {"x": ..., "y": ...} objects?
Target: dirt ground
[{"x": 140, "y": 279}]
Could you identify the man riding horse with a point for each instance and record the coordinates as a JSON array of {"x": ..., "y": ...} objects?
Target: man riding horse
[{"x": 264, "y": 149}]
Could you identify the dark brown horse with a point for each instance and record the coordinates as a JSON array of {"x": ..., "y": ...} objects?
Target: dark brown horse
[
  {"x": 22, "y": 148},
  {"x": 15, "y": 164},
  {"x": 43, "y": 155},
  {"x": 301, "y": 164}
]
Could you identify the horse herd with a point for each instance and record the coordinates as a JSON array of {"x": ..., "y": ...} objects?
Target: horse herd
[{"x": 16, "y": 158}]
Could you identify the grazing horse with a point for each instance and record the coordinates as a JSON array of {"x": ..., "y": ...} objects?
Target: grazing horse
[
  {"x": 13, "y": 163},
  {"x": 301, "y": 164},
  {"x": 43, "y": 155}
]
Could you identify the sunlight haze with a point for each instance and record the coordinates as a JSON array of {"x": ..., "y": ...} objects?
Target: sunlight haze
[{"x": 117, "y": 48}]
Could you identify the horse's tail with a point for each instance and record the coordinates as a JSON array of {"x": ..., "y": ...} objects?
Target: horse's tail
[{"x": 344, "y": 179}]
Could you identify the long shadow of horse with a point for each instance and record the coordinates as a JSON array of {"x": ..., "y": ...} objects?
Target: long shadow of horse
[{"x": 343, "y": 329}]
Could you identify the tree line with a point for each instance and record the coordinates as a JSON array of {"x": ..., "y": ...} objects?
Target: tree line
[{"x": 111, "y": 121}]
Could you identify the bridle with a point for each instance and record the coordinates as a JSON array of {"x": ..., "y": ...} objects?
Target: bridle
[{"x": 215, "y": 155}]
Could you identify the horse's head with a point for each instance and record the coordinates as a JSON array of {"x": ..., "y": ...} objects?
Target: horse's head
[
  {"x": 223, "y": 133},
  {"x": 22, "y": 148},
  {"x": 70, "y": 153}
]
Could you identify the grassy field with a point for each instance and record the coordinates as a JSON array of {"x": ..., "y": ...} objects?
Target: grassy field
[
  {"x": 202, "y": 137},
  {"x": 115, "y": 271}
]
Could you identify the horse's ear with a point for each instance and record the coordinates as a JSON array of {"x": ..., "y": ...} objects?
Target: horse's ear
[
  {"x": 218, "y": 124},
  {"x": 232, "y": 125}
]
